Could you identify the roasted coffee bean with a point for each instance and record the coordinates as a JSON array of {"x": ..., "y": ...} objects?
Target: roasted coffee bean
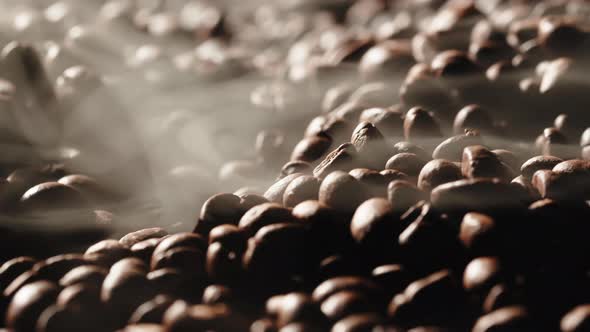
[
  {"x": 328, "y": 230},
  {"x": 217, "y": 294},
  {"x": 297, "y": 308},
  {"x": 479, "y": 234},
  {"x": 370, "y": 144},
  {"x": 509, "y": 158},
  {"x": 263, "y": 325},
  {"x": 183, "y": 317},
  {"x": 488, "y": 53},
  {"x": 280, "y": 247},
  {"x": 151, "y": 311},
  {"x": 500, "y": 296},
  {"x": 571, "y": 126},
  {"x": 218, "y": 210},
  {"x": 479, "y": 162},
  {"x": 123, "y": 291},
  {"x": 387, "y": 120},
  {"x": 275, "y": 192},
  {"x": 403, "y": 194},
  {"x": 364, "y": 322},
  {"x": 80, "y": 297},
  {"x": 392, "y": 175},
  {"x": 392, "y": 277},
  {"x": 88, "y": 186},
  {"x": 311, "y": 148},
  {"x": 427, "y": 243},
  {"x": 452, "y": 64},
  {"x": 336, "y": 96},
  {"x": 13, "y": 268},
  {"x": 390, "y": 57},
  {"x": 567, "y": 181},
  {"x": 144, "y": 328},
  {"x": 374, "y": 224},
  {"x": 560, "y": 37},
  {"x": 556, "y": 144},
  {"x": 408, "y": 147},
  {"x": 52, "y": 195},
  {"x": 147, "y": 233},
  {"x": 186, "y": 259},
  {"x": 514, "y": 318},
  {"x": 452, "y": 148},
  {"x": 179, "y": 240},
  {"x": 177, "y": 283},
  {"x": 296, "y": 166},
  {"x": 223, "y": 265},
  {"x": 346, "y": 303},
  {"x": 419, "y": 123},
  {"x": 107, "y": 252},
  {"x": 229, "y": 236},
  {"x": 28, "y": 303},
  {"x": 477, "y": 195},
  {"x": 263, "y": 215},
  {"x": 341, "y": 191},
  {"x": 301, "y": 189},
  {"x": 436, "y": 298},
  {"x": 538, "y": 163},
  {"x": 577, "y": 319},
  {"x": 337, "y": 129},
  {"x": 54, "y": 268},
  {"x": 250, "y": 200},
  {"x": 145, "y": 249},
  {"x": 373, "y": 181},
  {"x": 345, "y": 283},
  {"x": 420, "y": 88},
  {"x": 522, "y": 31},
  {"x": 437, "y": 172},
  {"x": 85, "y": 274},
  {"x": 481, "y": 274},
  {"x": 407, "y": 163}
]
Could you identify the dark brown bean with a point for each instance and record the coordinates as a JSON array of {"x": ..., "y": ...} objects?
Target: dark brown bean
[
  {"x": 301, "y": 189},
  {"x": 365, "y": 322},
  {"x": 275, "y": 192},
  {"x": 263, "y": 215},
  {"x": 223, "y": 265},
  {"x": 419, "y": 123},
  {"x": 179, "y": 240},
  {"x": 218, "y": 210},
  {"x": 147, "y": 233},
  {"x": 407, "y": 163},
  {"x": 437, "y": 172},
  {"x": 479, "y": 162},
  {"x": 151, "y": 311},
  {"x": 372, "y": 149},
  {"x": 214, "y": 294},
  {"x": 538, "y": 163},
  {"x": 52, "y": 195},
  {"x": 403, "y": 194},
  {"x": 177, "y": 283},
  {"x": 479, "y": 234},
  {"x": 346, "y": 303},
  {"x": 452, "y": 148},
  {"x": 342, "y": 158},
  {"x": 298, "y": 308},
  {"x": 13, "y": 268},
  {"x": 513, "y": 318},
  {"x": 82, "y": 297},
  {"x": 481, "y": 274},
  {"x": 85, "y": 274},
  {"x": 373, "y": 225},
  {"x": 392, "y": 277},
  {"x": 341, "y": 191},
  {"x": 387, "y": 120},
  {"x": 145, "y": 249},
  {"x": 186, "y": 259},
  {"x": 344, "y": 283},
  {"x": 311, "y": 148},
  {"x": 28, "y": 303},
  {"x": 577, "y": 319},
  {"x": 229, "y": 236},
  {"x": 296, "y": 166},
  {"x": 107, "y": 252}
]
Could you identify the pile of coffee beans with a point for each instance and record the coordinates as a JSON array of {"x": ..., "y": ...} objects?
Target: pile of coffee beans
[{"x": 423, "y": 166}]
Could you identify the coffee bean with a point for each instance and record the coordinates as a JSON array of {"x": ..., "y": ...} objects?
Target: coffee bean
[
  {"x": 391, "y": 57},
  {"x": 229, "y": 236},
  {"x": 577, "y": 319},
  {"x": 481, "y": 274},
  {"x": 301, "y": 189},
  {"x": 85, "y": 274},
  {"x": 452, "y": 148},
  {"x": 567, "y": 181},
  {"x": 419, "y": 123},
  {"x": 151, "y": 311},
  {"x": 556, "y": 143},
  {"x": 387, "y": 120},
  {"x": 392, "y": 277},
  {"x": 214, "y": 294},
  {"x": 403, "y": 194},
  {"x": 311, "y": 148},
  {"x": 123, "y": 291},
  {"x": 370, "y": 144},
  {"x": 479, "y": 234},
  {"x": 263, "y": 325},
  {"x": 298, "y": 308},
  {"x": 28, "y": 303},
  {"x": 52, "y": 195},
  {"x": 81, "y": 297},
  {"x": 11, "y": 269},
  {"x": 144, "y": 328},
  {"x": 218, "y": 210},
  {"x": 54, "y": 268},
  {"x": 345, "y": 283},
  {"x": 145, "y": 248},
  {"x": 223, "y": 265},
  {"x": 182, "y": 317},
  {"x": 341, "y": 191},
  {"x": 275, "y": 192},
  {"x": 364, "y": 322},
  {"x": 477, "y": 195},
  {"x": 107, "y": 252},
  {"x": 407, "y": 163},
  {"x": 180, "y": 240},
  {"x": 374, "y": 225},
  {"x": 263, "y": 215},
  {"x": 177, "y": 283},
  {"x": 437, "y": 172},
  {"x": 346, "y": 303},
  {"x": 335, "y": 96},
  {"x": 538, "y": 163},
  {"x": 296, "y": 166},
  {"x": 500, "y": 296},
  {"x": 186, "y": 259},
  {"x": 479, "y": 162},
  {"x": 86, "y": 185},
  {"x": 435, "y": 298},
  {"x": 147, "y": 233},
  {"x": 559, "y": 37},
  {"x": 514, "y": 318}
]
